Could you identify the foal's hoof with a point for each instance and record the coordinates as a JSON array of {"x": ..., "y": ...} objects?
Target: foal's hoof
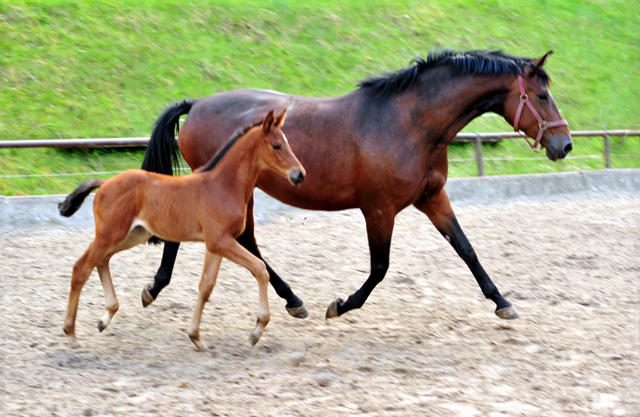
[
  {"x": 73, "y": 341},
  {"x": 508, "y": 313},
  {"x": 332, "y": 310},
  {"x": 298, "y": 312},
  {"x": 101, "y": 326},
  {"x": 253, "y": 339},
  {"x": 147, "y": 298},
  {"x": 200, "y": 345}
]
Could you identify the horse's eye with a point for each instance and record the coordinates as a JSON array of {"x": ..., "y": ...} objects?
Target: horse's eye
[
  {"x": 276, "y": 147},
  {"x": 543, "y": 97}
]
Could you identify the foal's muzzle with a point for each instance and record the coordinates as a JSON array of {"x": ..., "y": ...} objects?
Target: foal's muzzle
[{"x": 296, "y": 176}]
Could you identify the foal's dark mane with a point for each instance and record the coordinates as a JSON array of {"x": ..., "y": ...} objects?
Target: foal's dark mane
[
  {"x": 223, "y": 151},
  {"x": 475, "y": 62}
]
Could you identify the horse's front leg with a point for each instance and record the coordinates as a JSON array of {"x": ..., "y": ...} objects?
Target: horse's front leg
[
  {"x": 438, "y": 208},
  {"x": 163, "y": 276},
  {"x": 295, "y": 307},
  {"x": 379, "y": 230}
]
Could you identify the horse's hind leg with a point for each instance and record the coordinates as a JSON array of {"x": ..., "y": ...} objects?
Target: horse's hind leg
[
  {"x": 163, "y": 276},
  {"x": 231, "y": 249},
  {"x": 207, "y": 282},
  {"x": 438, "y": 209},
  {"x": 380, "y": 224},
  {"x": 295, "y": 307}
]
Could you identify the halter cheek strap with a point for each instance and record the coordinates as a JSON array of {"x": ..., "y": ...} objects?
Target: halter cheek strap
[{"x": 542, "y": 124}]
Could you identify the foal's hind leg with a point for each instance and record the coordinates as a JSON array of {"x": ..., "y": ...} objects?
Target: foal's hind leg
[
  {"x": 111, "y": 301},
  {"x": 207, "y": 282},
  {"x": 438, "y": 209},
  {"x": 232, "y": 250},
  {"x": 135, "y": 237},
  {"x": 81, "y": 271}
]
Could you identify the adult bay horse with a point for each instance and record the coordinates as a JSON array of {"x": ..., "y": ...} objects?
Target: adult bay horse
[
  {"x": 379, "y": 148},
  {"x": 209, "y": 205}
]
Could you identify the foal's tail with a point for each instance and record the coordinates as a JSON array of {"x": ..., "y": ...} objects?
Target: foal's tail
[
  {"x": 72, "y": 203},
  {"x": 162, "y": 151}
]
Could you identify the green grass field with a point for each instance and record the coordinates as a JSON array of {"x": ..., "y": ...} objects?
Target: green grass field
[{"x": 108, "y": 69}]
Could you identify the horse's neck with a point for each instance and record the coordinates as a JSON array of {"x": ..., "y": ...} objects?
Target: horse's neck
[
  {"x": 239, "y": 168},
  {"x": 464, "y": 98}
]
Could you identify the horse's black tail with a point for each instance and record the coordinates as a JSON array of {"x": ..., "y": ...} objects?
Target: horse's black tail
[
  {"x": 72, "y": 203},
  {"x": 162, "y": 151}
]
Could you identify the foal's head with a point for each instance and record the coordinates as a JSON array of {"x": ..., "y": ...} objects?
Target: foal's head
[
  {"x": 531, "y": 108},
  {"x": 275, "y": 152}
]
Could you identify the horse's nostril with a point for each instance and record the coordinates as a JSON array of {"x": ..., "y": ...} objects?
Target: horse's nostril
[
  {"x": 300, "y": 177},
  {"x": 568, "y": 148}
]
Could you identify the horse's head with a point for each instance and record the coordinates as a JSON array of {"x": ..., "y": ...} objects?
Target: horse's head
[
  {"x": 530, "y": 107},
  {"x": 276, "y": 153}
]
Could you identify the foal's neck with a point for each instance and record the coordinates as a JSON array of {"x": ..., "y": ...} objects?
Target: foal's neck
[{"x": 239, "y": 168}]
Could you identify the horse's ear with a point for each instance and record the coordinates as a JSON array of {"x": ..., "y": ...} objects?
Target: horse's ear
[
  {"x": 280, "y": 118},
  {"x": 540, "y": 61},
  {"x": 267, "y": 123}
]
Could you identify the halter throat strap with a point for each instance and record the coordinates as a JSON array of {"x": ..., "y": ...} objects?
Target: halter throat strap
[{"x": 542, "y": 124}]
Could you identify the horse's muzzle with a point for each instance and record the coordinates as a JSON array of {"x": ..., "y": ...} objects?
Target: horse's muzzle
[
  {"x": 559, "y": 147},
  {"x": 296, "y": 176}
]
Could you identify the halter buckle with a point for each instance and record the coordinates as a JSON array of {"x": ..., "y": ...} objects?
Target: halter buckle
[
  {"x": 524, "y": 97},
  {"x": 543, "y": 125}
]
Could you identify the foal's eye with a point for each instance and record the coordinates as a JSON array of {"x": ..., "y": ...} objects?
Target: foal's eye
[
  {"x": 543, "y": 97},
  {"x": 276, "y": 147}
]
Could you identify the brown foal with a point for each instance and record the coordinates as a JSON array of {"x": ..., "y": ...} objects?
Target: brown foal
[{"x": 209, "y": 205}]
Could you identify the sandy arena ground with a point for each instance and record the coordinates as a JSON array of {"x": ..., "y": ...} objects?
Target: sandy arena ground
[{"x": 426, "y": 342}]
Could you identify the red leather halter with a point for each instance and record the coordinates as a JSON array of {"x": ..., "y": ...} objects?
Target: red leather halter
[{"x": 544, "y": 125}]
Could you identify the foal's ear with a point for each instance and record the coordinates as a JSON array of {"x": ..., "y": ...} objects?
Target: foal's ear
[
  {"x": 540, "y": 61},
  {"x": 280, "y": 118},
  {"x": 267, "y": 123}
]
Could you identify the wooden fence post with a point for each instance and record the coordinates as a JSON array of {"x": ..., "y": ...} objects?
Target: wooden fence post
[
  {"x": 607, "y": 152},
  {"x": 479, "y": 155}
]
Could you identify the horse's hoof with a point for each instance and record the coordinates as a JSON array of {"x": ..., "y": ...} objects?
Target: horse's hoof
[
  {"x": 298, "y": 312},
  {"x": 147, "y": 298},
  {"x": 101, "y": 326},
  {"x": 332, "y": 310},
  {"x": 508, "y": 313},
  {"x": 253, "y": 339}
]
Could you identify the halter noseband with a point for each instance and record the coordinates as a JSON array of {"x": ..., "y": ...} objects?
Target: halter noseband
[{"x": 543, "y": 124}]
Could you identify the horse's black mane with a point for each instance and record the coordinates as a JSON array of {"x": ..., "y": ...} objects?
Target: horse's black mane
[
  {"x": 223, "y": 151},
  {"x": 475, "y": 62}
]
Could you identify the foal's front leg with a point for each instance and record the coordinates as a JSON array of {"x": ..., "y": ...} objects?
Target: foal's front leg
[
  {"x": 438, "y": 208},
  {"x": 207, "y": 282},
  {"x": 232, "y": 250}
]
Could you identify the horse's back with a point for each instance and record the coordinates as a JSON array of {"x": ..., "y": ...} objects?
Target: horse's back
[
  {"x": 213, "y": 119},
  {"x": 345, "y": 154}
]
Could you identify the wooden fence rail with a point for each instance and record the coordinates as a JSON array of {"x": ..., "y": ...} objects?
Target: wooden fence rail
[{"x": 477, "y": 138}]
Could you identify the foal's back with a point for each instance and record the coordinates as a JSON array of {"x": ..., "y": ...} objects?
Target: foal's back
[{"x": 167, "y": 207}]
